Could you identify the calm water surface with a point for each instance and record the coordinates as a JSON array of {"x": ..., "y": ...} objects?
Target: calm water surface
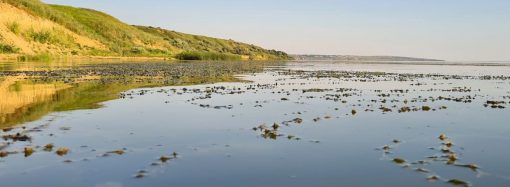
[{"x": 337, "y": 124}]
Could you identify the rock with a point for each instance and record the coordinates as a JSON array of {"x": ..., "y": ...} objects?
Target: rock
[
  {"x": 139, "y": 175},
  {"x": 119, "y": 152},
  {"x": 458, "y": 182},
  {"x": 48, "y": 147},
  {"x": 164, "y": 158},
  {"x": 275, "y": 126},
  {"x": 4, "y": 154},
  {"x": 62, "y": 151},
  {"x": 452, "y": 157},
  {"x": 443, "y": 137},
  {"x": 433, "y": 178},
  {"x": 298, "y": 120},
  {"x": 28, "y": 151},
  {"x": 422, "y": 170},
  {"x": 470, "y": 166},
  {"x": 425, "y": 108},
  {"x": 399, "y": 160}
]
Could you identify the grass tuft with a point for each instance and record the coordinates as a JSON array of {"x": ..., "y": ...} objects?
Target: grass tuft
[
  {"x": 8, "y": 49},
  {"x": 14, "y": 27}
]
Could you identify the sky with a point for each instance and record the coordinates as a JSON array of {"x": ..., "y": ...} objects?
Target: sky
[{"x": 458, "y": 30}]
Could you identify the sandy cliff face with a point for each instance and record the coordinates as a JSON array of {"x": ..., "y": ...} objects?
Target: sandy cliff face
[{"x": 30, "y": 34}]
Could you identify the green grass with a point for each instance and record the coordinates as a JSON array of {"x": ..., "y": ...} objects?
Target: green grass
[
  {"x": 13, "y": 27},
  {"x": 41, "y": 37},
  {"x": 189, "y": 42},
  {"x": 122, "y": 39}
]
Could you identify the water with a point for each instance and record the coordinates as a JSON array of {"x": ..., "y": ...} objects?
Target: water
[{"x": 333, "y": 124}]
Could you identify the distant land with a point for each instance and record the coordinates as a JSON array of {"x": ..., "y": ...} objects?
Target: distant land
[
  {"x": 31, "y": 29},
  {"x": 359, "y": 58}
]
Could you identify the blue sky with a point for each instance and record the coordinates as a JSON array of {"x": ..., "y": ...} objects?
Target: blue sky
[{"x": 443, "y": 29}]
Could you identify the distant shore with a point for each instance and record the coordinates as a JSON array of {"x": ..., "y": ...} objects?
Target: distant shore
[{"x": 360, "y": 58}]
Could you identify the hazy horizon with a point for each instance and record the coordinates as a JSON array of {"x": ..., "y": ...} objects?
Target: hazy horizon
[{"x": 448, "y": 30}]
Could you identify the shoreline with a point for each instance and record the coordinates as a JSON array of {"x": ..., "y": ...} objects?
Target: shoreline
[
  {"x": 445, "y": 63},
  {"x": 16, "y": 58}
]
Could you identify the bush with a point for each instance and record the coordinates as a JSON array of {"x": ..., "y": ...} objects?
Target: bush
[
  {"x": 8, "y": 49},
  {"x": 196, "y": 55},
  {"x": 41, "y": 37},
  {"x": 13, "y": 27}
]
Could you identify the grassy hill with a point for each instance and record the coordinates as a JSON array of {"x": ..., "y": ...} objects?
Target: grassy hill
[{"x": 33, "y": 28}]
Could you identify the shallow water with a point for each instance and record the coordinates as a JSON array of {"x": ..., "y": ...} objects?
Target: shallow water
[{"x": 336, "y": 126}]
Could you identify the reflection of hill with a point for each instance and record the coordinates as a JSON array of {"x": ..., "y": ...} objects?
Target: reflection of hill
[
  {"x": 18, "y": 95},
  {"x": 29, "y": 95}
]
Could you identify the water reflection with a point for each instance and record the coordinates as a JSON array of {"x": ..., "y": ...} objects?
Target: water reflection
[
  {"x": 32, "y": 90},
  {"x": 24, "y": 100},
  {"x": 301, "y": 124}
]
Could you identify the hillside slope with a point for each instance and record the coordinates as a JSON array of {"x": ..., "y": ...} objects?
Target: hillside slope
[{"x": 30, "y": 27}]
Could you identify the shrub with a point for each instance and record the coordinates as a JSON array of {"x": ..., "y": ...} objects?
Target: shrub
[
  {"x": 8, "y": 49},
  {"x": 13, "y": 27},
  {"x": 41, "y": 37}
]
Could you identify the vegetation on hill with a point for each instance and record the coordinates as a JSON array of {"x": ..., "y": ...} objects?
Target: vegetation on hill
[
  {"x": 208, "y": 45},
  {"x": 33, "y": 28}
]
